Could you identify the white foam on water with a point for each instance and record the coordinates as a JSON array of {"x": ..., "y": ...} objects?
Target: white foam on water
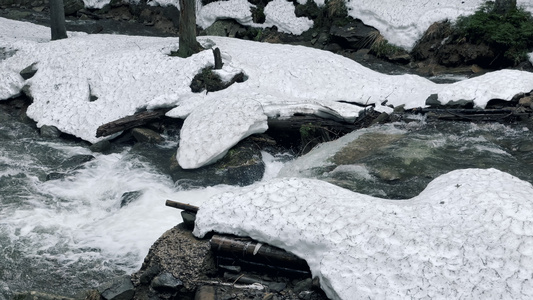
[
  {"x": 274, "y": 163},
  {"x": 82, "y": 214}
]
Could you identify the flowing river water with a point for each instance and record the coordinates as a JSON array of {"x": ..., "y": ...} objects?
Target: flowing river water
[
  {"x": 69, "y": 222},
  {"x": 71, "y": 219}
]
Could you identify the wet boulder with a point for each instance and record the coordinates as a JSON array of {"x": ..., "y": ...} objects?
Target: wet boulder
[
  {"x": 353, "y": 35},
  {"x": 120, "y": 288},
  {"x": 242, "y": 166}
]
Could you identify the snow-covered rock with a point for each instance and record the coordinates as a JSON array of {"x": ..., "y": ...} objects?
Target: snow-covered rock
[
  {"x": 467, "y": 235},
  {"x": 234, "y": 120}
]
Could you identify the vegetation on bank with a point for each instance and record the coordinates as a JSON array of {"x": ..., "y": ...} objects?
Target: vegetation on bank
[{"x": 509, "y": 33}]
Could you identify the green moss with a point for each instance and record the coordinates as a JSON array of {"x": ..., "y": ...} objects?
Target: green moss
[
  {"x": 382, "y": 48},
  {"x": 510, "y": 34}
]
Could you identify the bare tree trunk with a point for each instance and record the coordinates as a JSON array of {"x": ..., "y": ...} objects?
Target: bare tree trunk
[
  {"x": 57, "y": 20},
  {"x": 187, "y": 42},
  {"x": 504, "y": 6}
]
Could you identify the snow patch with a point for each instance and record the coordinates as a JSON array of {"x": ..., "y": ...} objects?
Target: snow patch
[
  {"x": 280, "y": 13},
  {"x": 239, "y": 10},
  {"x": 236, "y": 119},
  {"x": 468, "y": 234}
]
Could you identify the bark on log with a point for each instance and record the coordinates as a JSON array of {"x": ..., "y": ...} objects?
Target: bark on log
[
  {"x": 294, "y": 123},
  {"x": 261, "y": 267},
  {"x": 218, "y": 59},
  {"x": 187, "y": 39},
  {"x": 57, "y": 20},
  {"x": 183, "y": 206},
  {"x": 128, "y": 122},
  {"x": 251, "y": 250}
]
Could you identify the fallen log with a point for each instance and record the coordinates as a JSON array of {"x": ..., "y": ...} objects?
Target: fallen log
[
  {"x": 294, "y": 123},
  {"x": 474, "y": 114},
  {"x": 128, "y": 122},
  {"x": 248, "y": 249},
  {"x": 188, "y": 213},
  {"x": 183, "y": 206},
  {"x": 223, "y": 262}
]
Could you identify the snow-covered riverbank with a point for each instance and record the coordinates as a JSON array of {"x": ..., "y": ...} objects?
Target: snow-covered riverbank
[{"x": 127, "y": 74}]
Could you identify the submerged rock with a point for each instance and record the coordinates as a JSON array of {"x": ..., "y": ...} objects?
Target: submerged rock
[
  {"x": 50, "y": 131},
  {"x": 145, "y": 135}
]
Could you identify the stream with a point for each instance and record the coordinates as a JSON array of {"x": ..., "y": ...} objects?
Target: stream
[{"x": 71, "y": 219}]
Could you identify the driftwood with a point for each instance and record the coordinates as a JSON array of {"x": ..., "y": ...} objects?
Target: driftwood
[
  {"x": 183, "y": 206},
  {"x": 128, "y": 122},
  {"x": 470, "y": 114},
  {"x": 188, "y": 213},
  {"x": 250, "y": 250}
]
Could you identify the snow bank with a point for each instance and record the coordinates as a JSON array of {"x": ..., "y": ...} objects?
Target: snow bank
[
  {"x": 279, "y": 13},
  {"x": 128, "y": 74},
  {"x": 467, "y": 235},
  {"x": 240, "y": 118},
  {"x": 404, "y": 22}
]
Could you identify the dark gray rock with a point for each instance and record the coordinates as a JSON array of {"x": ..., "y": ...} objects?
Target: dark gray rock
[
  {"x": 145, "y": 135},
  {"x": 188, "y": 219},
  {"x": 76, "y": 161},
  {"x": 50, "y": 131},
  {"x": 129, "y": 197},
  {"x": 55, "y": 176},
  {"x": 166, "y": 282},
  {"x": 354, "y": 35},
  {"x": 461, "y": 103},
  {"x": 382, "y": 118},
  {"x": 433, "y": 100},
  {"x": 120, "y": 288},
  {"x": 242, "y": 165},
  {"x": 303, "y": 285},
  {"x": 101, "y": 146},
  {"x": 149, "y": 273},
  {"x": 228, "y": 28},
  {"x": 72, "y": 6},
  {"x": 29, "y": 71},
  {"x": 277, "y": 286},
  {"x": 525, "y": 146}
]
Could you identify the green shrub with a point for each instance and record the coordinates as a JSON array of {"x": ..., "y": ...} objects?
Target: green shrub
[
  {"x": 510, "y": 34},
  {"x": 381, "y": 48}
]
